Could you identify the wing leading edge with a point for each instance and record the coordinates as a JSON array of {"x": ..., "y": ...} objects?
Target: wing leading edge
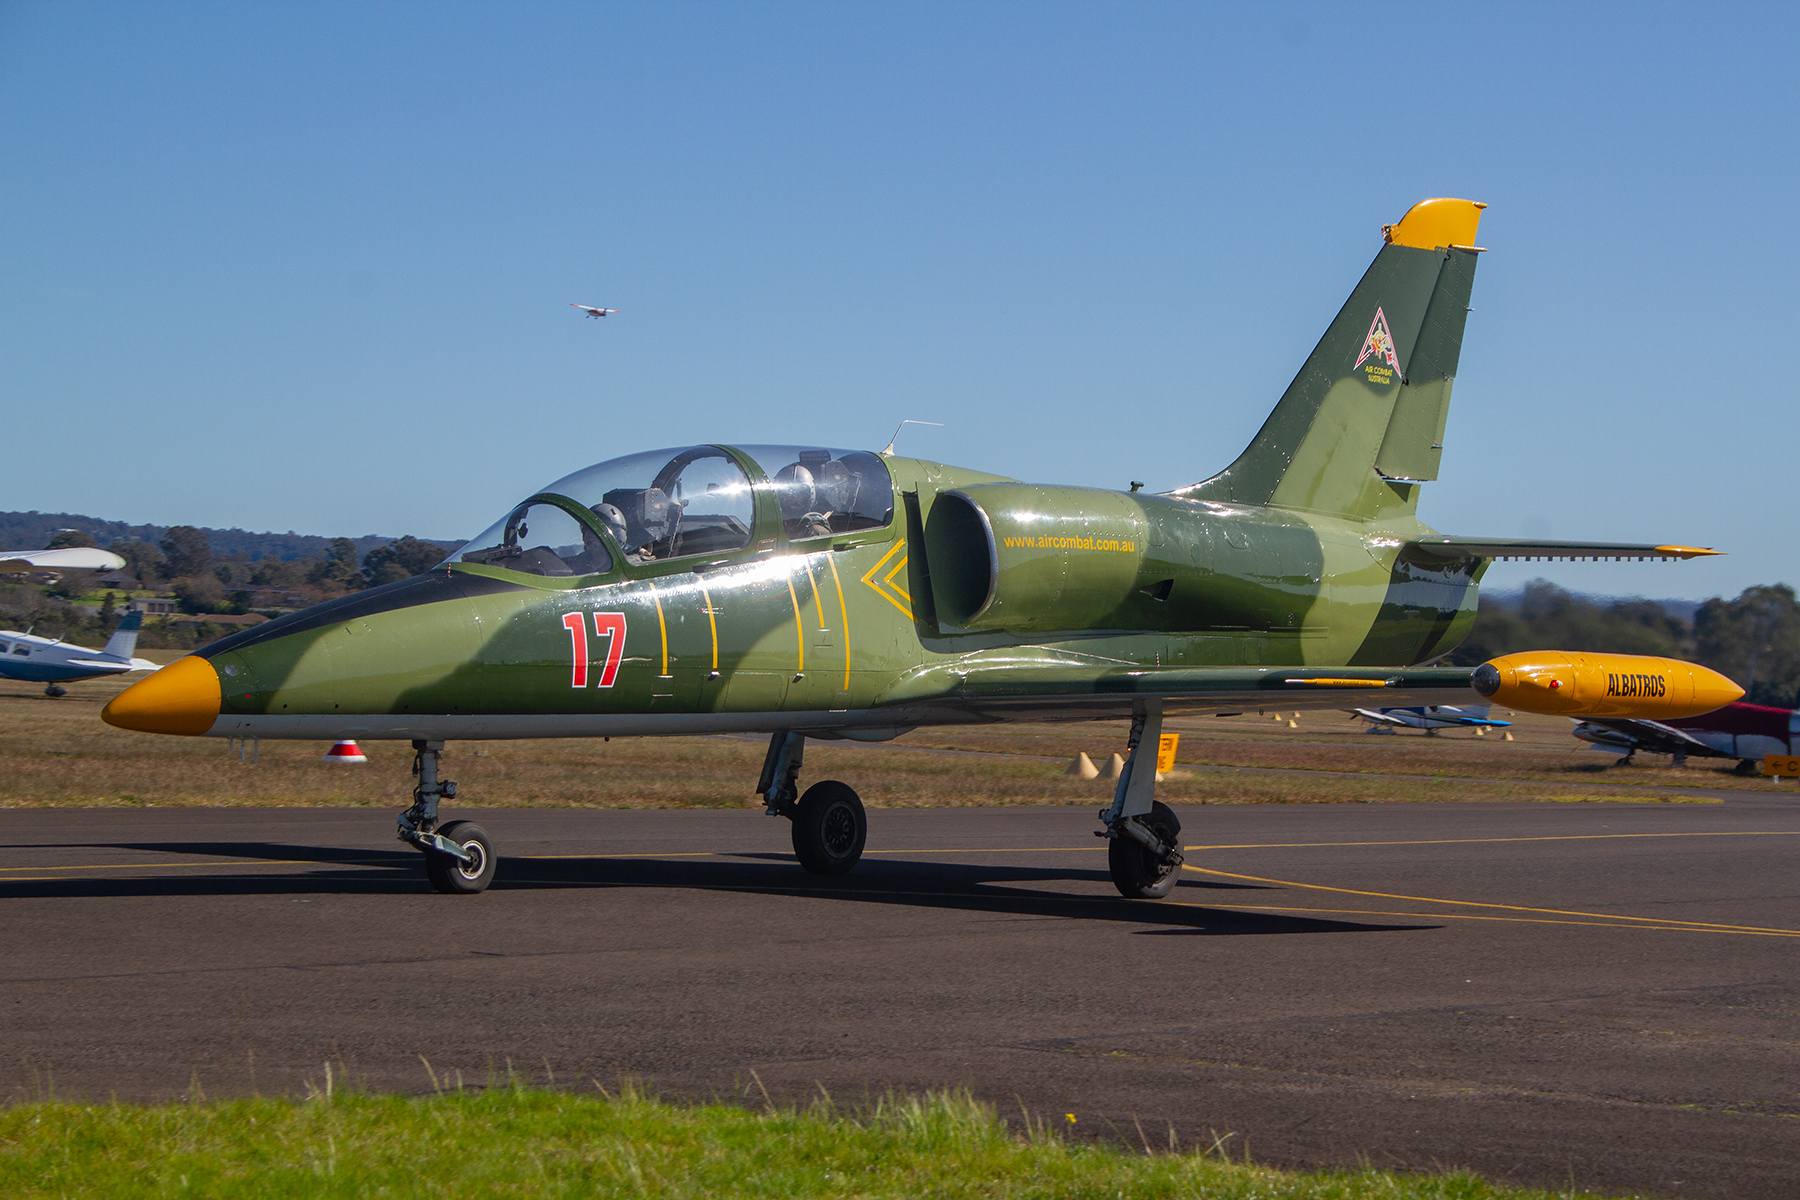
[{"x": 1540, "y": 548}]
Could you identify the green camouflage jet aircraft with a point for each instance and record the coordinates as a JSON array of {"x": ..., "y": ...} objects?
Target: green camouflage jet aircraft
[{"x": 804, "y": 591}]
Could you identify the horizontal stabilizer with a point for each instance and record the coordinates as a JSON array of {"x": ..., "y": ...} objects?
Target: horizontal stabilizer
[
  {"x": 113, "y": 664},
  {"x": 1529, "y": 549}
]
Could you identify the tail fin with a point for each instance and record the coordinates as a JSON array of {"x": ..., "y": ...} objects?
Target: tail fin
[
  {"x": 1363, "y": 422},
  {"x": 124, "y": 639}
]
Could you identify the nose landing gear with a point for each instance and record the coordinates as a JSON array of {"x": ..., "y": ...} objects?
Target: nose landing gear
[{"x": 459, "y": 858}]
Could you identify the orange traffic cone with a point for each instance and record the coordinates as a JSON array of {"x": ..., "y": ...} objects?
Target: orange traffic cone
[{"x": 345, "y": 752}]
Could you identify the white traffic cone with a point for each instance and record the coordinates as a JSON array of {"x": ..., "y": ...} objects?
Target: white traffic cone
[
  {"x": 1083, "y": 767},
  {"x": 345, "y": 752}
]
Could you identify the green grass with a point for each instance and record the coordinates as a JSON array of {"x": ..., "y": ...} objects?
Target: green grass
[{"x": 519, "y": 1141}]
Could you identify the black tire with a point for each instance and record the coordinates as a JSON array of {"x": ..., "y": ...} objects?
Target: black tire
[
  {"x": 454, "y": 878},
  {"x": 54, "y": 691},
  {"x": 1135, "y": 871},
  {"x": 830, "y": 828}
]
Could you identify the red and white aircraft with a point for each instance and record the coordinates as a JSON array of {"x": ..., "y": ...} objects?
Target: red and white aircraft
[{"x": 591, "y": 311}]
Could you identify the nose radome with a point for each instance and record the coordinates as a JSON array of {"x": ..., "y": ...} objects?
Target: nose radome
[{"x": 183, "y": 697}]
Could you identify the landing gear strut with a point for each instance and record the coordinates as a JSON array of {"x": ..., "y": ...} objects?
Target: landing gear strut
[
  {"x": 830, "y": 826},
  {"x": 459, "y": 857},
  {"x": 1145, "y": 854}
]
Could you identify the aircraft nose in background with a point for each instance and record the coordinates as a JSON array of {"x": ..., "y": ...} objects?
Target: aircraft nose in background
[{"x": 183, "y": 697}]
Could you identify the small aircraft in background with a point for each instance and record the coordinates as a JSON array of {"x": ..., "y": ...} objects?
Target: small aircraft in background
[
  {"x": 1745, "y": 732},
  {"x": 591, "y": 311},
  {"x": 1430, "y": 718},
  {"x": 52, "y": 662},
  {"x": 73, "y": 558}
]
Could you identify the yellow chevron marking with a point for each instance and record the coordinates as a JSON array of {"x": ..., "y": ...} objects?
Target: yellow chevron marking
[{"x": 892, "y": 592}]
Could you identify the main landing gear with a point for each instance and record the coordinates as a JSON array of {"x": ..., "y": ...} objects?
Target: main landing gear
[
  {"x": 830, "y": 826},
  {"x": 1145, "y": 853},
  {"x": 459, "y": 856},
  {"x": 54, "y": 690}
]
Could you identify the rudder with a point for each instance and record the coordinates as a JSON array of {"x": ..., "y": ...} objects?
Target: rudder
[{"x": 123, "y": 642}]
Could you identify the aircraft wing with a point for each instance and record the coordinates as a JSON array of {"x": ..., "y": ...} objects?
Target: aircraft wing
[
  {"x": 1535, "y": 548},
  {"x": 74, "y": 558},
  {"x": 1080, "y": 687},
  {"x": 101, "y": 664},
  {"x": 1640, "y": 734}
]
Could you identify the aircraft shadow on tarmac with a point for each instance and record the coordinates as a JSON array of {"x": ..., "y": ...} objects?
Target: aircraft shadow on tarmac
[{"x": 973, "y": 887}]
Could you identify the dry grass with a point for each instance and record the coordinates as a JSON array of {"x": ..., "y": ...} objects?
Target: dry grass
[{"x": 59, "y": 753}]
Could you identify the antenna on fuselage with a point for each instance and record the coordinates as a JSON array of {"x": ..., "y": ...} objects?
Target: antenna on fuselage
[{"x": 903, "y": 425}]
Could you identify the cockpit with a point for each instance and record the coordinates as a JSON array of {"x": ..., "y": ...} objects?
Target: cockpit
[{"x": 683, "y": 503}]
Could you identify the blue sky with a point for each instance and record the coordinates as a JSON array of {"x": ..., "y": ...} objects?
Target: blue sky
[{"x": 307, "y": 266}]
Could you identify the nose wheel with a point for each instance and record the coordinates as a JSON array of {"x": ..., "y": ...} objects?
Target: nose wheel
[{"x": 461, "y": 876}]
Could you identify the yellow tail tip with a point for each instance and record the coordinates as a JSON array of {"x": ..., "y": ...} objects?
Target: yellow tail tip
[
  {"x": 183, "y": 698},
  {"x": 1434, "y": 224}
]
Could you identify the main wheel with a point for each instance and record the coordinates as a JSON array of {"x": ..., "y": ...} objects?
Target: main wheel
[
  {"x": 830, "y": 828},
  {"x": 455, "y": 878},
  {"x": 54, "y": 691},
  {"x": 1135, "y": 871}
]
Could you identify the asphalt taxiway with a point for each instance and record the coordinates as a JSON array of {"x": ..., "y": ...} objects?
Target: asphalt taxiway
[{"x": 1601, "y": 995}]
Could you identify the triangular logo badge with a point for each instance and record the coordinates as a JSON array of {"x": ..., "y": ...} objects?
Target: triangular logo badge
[{"x": 1379, "y": 344}]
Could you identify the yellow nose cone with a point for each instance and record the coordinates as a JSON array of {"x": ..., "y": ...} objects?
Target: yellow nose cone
[{"x": 183, "y": 697}]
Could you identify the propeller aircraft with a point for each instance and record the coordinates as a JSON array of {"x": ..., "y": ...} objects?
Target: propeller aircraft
[
  {"x": 53, "y": 662},
  {"x": 591, "y": 311},
  {"x": 809, "y": 592}
]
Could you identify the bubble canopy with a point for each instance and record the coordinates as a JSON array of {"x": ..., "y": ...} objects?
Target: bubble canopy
[{"x": 676, "y": 503}]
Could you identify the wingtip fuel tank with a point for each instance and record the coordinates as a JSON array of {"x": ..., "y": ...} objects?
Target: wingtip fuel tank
[{"x": 1603, "y": 685}]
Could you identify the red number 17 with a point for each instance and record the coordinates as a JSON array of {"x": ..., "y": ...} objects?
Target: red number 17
[{"x": 609, "y": 625}]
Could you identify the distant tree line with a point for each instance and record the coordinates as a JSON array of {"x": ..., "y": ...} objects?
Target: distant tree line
[
  {"x": 32, "y": 530},
  {"x": 1754, "y": 639}
]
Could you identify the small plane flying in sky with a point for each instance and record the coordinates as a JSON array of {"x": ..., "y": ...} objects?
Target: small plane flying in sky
[
  {"x": 53, "y": 662},
  {"x": 1745, "y": 732},
  {"x": 1430, "y": 718},
  {"x": 591, "y": 311},
  {"x": 807, "y": 592}
]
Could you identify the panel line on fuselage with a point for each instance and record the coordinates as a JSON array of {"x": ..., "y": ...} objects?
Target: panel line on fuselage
[
  {"x": 662, "y": 628},
  {"x": 799, "y": 631},
  {"x": 843, "y": 618}
]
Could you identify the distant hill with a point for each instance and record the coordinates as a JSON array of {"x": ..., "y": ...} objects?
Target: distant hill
[{"x": 31, "y": 530}]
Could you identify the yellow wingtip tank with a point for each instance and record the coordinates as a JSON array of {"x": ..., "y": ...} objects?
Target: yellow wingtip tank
[
  {"x": 1603, "y": 685},
  {"x": 1435, "y": 224}
]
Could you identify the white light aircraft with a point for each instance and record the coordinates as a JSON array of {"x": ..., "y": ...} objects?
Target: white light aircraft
[
  {"x": 591, "y": 311},
  {"x": 53, "y": 662},
  {"x": 73, "y": 558},
  {"x": 1430, "y": 718}
]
